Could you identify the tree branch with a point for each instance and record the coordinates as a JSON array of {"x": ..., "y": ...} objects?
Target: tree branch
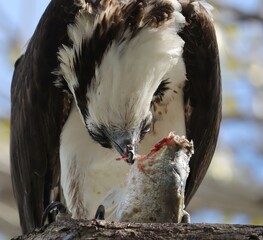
[{"x": 68, "y": 229}]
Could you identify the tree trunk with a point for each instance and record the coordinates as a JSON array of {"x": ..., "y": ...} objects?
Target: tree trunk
[{"x": 68, "y": 229}]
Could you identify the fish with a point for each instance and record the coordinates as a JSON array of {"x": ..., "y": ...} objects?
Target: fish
[{"x": 156, "y": 183}]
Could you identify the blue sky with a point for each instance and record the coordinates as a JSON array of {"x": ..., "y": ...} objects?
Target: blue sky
[
  {"x": 244, "y": 5},
  {"x": 21, "y": 22}
]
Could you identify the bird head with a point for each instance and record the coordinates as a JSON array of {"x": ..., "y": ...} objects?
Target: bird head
[{"x": 115, "y": 65}]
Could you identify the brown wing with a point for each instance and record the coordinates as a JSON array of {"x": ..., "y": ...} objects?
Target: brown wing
[
  {"x": 38, "y": 112},
  {"x": 202, "y": 91}
]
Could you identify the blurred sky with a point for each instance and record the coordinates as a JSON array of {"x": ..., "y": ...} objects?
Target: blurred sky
[{"x": 21, "y": 18}]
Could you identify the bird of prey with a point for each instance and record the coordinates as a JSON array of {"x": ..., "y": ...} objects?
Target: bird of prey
[{"x": 104, "y": 78}]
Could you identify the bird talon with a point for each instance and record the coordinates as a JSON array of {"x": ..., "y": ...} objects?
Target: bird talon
[
  {"x": 100, "y": 213},
  {"x": 57, "y": 207},
  {"x": 186, "y": 217}
]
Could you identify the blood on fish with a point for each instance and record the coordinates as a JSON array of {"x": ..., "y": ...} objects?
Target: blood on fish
[
  {"x": 159, "y": 145},
  {"x": 141, "y": 167}
]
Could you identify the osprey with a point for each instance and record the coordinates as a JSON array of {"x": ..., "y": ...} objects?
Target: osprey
[{"x": 105, "y": 78}]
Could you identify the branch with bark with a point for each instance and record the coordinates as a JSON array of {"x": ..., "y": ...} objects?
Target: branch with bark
[{"x": 69, "y": 229}]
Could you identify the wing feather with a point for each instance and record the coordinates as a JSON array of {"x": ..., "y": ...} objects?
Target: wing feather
[
  {"x": 202, "y": 93},
  {"x": 38, "y": 112}
]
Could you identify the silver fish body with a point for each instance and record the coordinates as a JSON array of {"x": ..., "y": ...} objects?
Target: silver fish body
[{"x": 156, "y": 183}]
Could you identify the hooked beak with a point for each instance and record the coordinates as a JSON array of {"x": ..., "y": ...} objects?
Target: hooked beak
[{"x": 125, "y": 145}]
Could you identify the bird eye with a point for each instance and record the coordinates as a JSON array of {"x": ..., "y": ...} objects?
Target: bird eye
[{"x": 145, "y": 129}]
